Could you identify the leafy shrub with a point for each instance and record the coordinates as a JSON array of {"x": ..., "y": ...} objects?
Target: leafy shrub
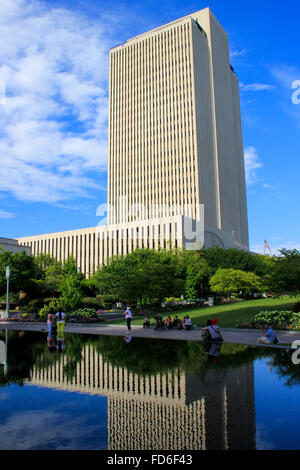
[
  {"x": 296, "y": 307},
  {"x": 87, "y": 313},
  {"x": 44, "y": 312},
  {"x": 218, "y": 300},
  {"x": 34, "y": 305},
  {"x": 13, "y": 298},
  {"x": 55, "y": 303},
  {"x": 91, "y": 302},
  {"x": 107, "y": 301},
  {"x": 281, "y": 319},
  {"x": 89, "y": 287},
  {"x": 173, "y": 300},
  {"x": 47, "y": 300}
]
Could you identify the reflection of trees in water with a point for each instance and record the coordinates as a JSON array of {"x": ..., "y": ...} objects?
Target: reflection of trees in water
[
  {"x": 140, "y": 356},
  {"x": 73, "y": 350},
  {"x": 150, "y": 357},
  {"x": 72, "y": 354},
  {"x": 282, "y": 364},
  {"x": 28, "y": 349},
  {"x": 22, "y": 352}
]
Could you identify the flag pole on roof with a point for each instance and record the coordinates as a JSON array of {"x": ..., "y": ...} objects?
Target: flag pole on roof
[{"x": 266, "y": 246}]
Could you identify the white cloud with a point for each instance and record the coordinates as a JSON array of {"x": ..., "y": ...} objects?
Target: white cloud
[
  {"x": 263, "y": 441},
  {"x": 252, "y": 164},
  {"x": 40, "y": 428},
  {"x": 237, "y": 53},
  {"x": 6, "y": 215},
  {"x": 53, "y": 125},
  {"x": 285, "y": 75},
  {"x": 256, "y": 87}
]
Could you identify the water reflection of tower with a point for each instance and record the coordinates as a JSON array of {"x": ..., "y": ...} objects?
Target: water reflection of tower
[
  {"x": 165, "y": 411},
  {"x": 216, "y": 412}
]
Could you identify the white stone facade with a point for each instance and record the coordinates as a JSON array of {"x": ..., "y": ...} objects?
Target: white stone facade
[{"x": 174, "y": 143}]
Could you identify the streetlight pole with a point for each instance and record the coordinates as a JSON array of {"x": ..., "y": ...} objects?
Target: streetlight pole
[
  {"x": 7, "y": 291},
  {"x": 6, "y": 345},
  {"x": 3, "y": 353}
]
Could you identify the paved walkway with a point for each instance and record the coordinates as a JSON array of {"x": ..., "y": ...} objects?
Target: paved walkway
[{"x": 232, "y": 336}]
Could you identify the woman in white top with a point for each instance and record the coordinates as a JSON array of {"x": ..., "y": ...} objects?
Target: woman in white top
[
  {"x": 128, "y": 316},
  {"x": 188, "y": 323}
]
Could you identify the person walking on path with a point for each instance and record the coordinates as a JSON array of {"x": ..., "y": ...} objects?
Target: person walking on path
[{"x": 128, "y": 317}]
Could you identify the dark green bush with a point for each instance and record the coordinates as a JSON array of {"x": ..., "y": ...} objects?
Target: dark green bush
[
  {"x": 47, "y": 300},
  {"x": 86, "y": 313},
  {"x": 108, "y": 301},
  {"x": 91, "y": 302},
  {"x": 296, "y": 307},
  {"x": 34, "y": 305}
]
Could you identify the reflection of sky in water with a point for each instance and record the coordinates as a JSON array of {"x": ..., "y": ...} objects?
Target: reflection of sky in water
[
  {"x": 277, "y": 409},
  {"x": 41, "y": 418},
  {"x": 37, "y": 417}
]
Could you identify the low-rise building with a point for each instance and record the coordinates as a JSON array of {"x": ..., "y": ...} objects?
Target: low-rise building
[{"x": 12, "y": 245}]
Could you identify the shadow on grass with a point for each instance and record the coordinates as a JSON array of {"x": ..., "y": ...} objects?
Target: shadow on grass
[{"x": 228, "y": 315}]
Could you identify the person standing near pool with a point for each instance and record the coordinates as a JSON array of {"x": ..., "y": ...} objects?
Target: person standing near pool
[
  {"x": 60, "y": 315},
  {"x": 51, "y": 322},
  {"x": 61, "y": 320},
  {"x": 128, "y": 317}
]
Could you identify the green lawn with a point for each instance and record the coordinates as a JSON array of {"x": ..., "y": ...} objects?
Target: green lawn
[{"x": 229, "y": 315}]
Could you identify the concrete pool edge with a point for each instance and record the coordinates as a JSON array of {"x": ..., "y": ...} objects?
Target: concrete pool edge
[{"x": 231, "y": 336}]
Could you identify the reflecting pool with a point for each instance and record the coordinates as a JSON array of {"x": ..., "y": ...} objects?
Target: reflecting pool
[{"x": 102, "y": 392}]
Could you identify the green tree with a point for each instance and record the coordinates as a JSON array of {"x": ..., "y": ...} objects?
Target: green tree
[
  {"x": 197, "y": 277},
  {"x": 232, "y": 258},
  {"x": 226, "y": 281},
  {"x": 50, "y": 277},
  {"x": 70, "y": 286},
  {"x": 23, "y": 272},
  {"x": 285, "y": 275},
  {"x": 143, "y": 276}
]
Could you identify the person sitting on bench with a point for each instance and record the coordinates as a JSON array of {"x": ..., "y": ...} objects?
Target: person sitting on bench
[
  {"x": 175, "y": 322},
  {"x": 159, "y": 322},
  {"x": 188, "y": 323},
  {"x": 168, "y": 322},
  {"x": 146, "y": 323}
]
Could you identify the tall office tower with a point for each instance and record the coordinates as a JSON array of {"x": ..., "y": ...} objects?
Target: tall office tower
[
  {"x": 175, "y": 138},
  {"x": 175, "y": 147}
]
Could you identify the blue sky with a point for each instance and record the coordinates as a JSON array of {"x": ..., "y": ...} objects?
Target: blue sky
[{"x": 53, "y": 120}]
